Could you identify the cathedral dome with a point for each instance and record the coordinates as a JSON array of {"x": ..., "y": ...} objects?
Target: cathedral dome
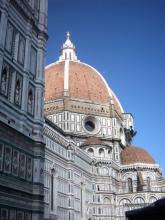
[
  {"x": 132, "y": 154},
  {"x": 84, "y": 82},
  {"x": 72, "y": 78}
]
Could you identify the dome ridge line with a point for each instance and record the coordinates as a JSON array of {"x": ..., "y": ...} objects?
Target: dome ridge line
[
  {"x": 82, "y": 81},
  {"x": 51, "y": 64},
  {"x": 66, "y": 78},
  {"x": 111, "y": 93}
]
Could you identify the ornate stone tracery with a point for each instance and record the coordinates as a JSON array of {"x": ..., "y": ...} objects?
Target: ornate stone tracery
[{"x": 4, "y": 80}]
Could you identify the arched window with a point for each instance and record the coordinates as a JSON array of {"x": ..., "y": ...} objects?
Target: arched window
[
  {"x": 21, "y": 52},
  {"x": 139, "y": 200},
  {"x": 9, "y": 38},
  {"x": 124, "y": 205},
  {"x": 109, "y": 151},
  {"x": 90, "y": 151},
  {"x": 30, "y": 101},
  {"x": 124, "y": 202},
  {"x": 101, "y": 152},
  {"x": 148, "y": 184},
  {"x": 4, "y": 81},
  {"x": 18, "y": 92},
  {"x": 33, "y": 60},
  {"x": 107, "y": 200},
  {"x": 104, "y": 171},
  {"x": 130, "y": 186},
  {"x": 152, "y": 199}
]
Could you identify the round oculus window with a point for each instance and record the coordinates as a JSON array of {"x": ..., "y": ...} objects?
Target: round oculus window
[{"x": 89, "y": 125}]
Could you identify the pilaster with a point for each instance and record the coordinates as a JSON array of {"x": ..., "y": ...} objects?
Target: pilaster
[{"x": 3, "y": 25}]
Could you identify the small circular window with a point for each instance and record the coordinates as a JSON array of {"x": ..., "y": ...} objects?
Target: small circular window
[{"x": 89, "y": 125}]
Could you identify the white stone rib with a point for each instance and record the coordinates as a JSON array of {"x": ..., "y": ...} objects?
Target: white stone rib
[
  {"x": 111, "y": 93},
  {"x": 66, "y": 75}
]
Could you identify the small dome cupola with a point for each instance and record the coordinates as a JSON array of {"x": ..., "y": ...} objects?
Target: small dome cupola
[
  {"x": 68, "y": 50},
  {"x": 132, "y": 155}
]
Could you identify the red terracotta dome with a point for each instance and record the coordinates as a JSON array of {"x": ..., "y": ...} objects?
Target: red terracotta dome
[
  {"x": 132, "y": 154},
  {"x": 54, "y": 82},
  {"x": 84, "y": 82},
  {"x": 77, "y": 80}
]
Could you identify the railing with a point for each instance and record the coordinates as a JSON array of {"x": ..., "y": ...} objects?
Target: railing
[
  {"x": 154, "y": 187},
  {"x": 122, "y": 187},
  {"x": 103, "y": 158}
]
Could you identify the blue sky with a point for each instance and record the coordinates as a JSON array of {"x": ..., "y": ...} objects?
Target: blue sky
[{"x": 125, "y": 41}]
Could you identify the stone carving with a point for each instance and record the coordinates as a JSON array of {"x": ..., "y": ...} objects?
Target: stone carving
[
  {"x": 9, "y": 38},
  {"x": 21, "y": 52},
  {"x": 30, "y": 101},
  {"x": 22, "y": 165},
  {"x": 15, "y": 163},
  {"x": 18, "y": 88},
  {"x": 4, "y": 214},
  {"x": 29, "y": 169},
  {"x": 7, "y": 161},
  {"x": 33, "y": 61},
  {"x": 23, "y": 5},
  {"x": 4, "y": 81},
  {"x": 89, "y": 211},
  {"x": 55, "y": 136}
]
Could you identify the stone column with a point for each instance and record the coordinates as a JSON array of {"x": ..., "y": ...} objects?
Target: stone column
[
  {"x": 3, "y": 26},
  {"x": 27, "y": 48},
  {"x": 43, "y": 14},
  {"x": 83, "y": 210},
  {"x": 25, "y": 93},
  {"x": 53, "y": 209}
]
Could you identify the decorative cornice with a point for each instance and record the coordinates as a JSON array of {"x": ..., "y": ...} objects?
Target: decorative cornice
[
  {"x": 50, "y": 132},
  {"x": 140, "y": 166},
  {"x": 27, "y": 11}
]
